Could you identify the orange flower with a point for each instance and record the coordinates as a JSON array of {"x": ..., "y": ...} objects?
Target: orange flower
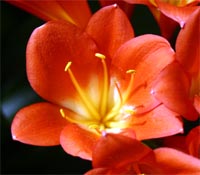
[
  {"x": 75, "y": 12},
  {"x": 117, "y": 154},
  {"x": 185, "y": 98},
  {"x": 168, "y": 12},
  {"x": 96, "y": 81}
]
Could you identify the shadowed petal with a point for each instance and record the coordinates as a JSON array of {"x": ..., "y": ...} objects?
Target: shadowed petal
[
  {"x": 49, "y": 49},
  {"x": 188, "y": 44},
  {"x": 177, "y": 142},
  {"x": 77, "y": 141},
  {"x": 157, "y": 123},
  {"x": 166, "y": 24},
  {"x": 97, "y": 171},
  {"x": 193, "y": 142},
  {"x": 72, "y": 11},
  {"x": 110, "y": 28},
  {"x": 38, "y": 124},
  {"x": 172, "y": 89}
]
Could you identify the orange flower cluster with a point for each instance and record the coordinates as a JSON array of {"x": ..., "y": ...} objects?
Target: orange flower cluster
[{"x": 107, "y": 91}]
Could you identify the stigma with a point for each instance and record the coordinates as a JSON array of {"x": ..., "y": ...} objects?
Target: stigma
[{"x": 111, "y": 114}]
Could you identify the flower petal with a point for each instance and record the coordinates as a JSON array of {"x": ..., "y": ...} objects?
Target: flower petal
[
  {"x": 97, "y": 171},
  {"x": 176, "y": 162},
  {"x": 188, "y": 44},
  {"x": 38, "y": 124},
  {"x": 172, "y": 89},
  {"x": 193, "y": 142},
  {"x": 177, "y": 142},
  {"x": 117, "y": 150},
  {"x": 72, "y": 11},
  {"x": 156, "y": 123},
  {"x": 145, "y": 2},
  {"x": 77, "y": 141},
  {"x": 110, "y": 28},
  {"x": 49, "y": 49},
  {"x": 148, "y": 55},
  {"x": 167, "y": 25},
  {"x": 197, "y": 103},
  {"x": 127, "y": 8},
  {"x": 179, "y": 14}
]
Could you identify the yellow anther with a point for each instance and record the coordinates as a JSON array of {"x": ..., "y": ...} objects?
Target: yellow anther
[
  {"x": 131, "y": 71},
  {"x": 62, "y": 113},
  {"x": 99, "y": 55},
  {"x": 68, "y": 66}
]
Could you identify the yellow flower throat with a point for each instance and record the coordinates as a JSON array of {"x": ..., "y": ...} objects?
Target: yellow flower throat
[{"x": 112, "y": 114}]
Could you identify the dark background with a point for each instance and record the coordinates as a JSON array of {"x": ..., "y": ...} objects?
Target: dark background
[{"x": 18, "y": 158}]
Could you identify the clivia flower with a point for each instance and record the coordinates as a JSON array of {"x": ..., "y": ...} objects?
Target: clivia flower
[
  {"x": 185, "y": 68},
  {"x": 96, "y": 81},
  {"x": 117, "y": 154},
  {"x": 169, "y": 13}
]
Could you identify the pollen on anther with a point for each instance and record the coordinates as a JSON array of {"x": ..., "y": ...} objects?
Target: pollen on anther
[
  {"x": 68, "y": 66},
  {"x": 62, "y": 113},
  {"x": 130, "y": 71},
  {"x": 99, "y": 55}
]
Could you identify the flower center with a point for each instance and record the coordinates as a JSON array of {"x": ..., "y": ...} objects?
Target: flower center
[{"x": 112, "y": 114}]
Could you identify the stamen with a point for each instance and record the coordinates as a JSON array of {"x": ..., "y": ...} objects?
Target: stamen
[
  {"x": 62, "y": 113},
  {"x": 130, "y": 85},
  {"x": 83, "y": 96},
  {"x": 68, "y": 66},
  {"x": 81, "y": 122},
  {"x": 104, "y": 97}
]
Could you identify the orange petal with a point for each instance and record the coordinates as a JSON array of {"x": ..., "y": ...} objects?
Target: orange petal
[
  {"x": 145, "y": 2},
  {"x": 197, "y": 103},
  {"x": 117, "y": 150},
  {"x": 38, "y": 124},
  {"x": 78, "y": 142},
  {"x": 173, "y": 161},
  {"x": 49, "y": 49},
  {"x": 98, "y": 171},
  {"x": 141, "y": 54},
  {"x": 156, "y": 123},
  {"x": 167, "y": 25},
  {"x": 176, "y": 142},
  {"x": 76, "y": 12},
  {"x": 178, "y": 14},
  {"x": 172, "y": 89},
  {"x": 188, "y": 44},
  {"x": 110, "y": 28},
  {"x": 193, "y": 142},
  {"x": 127, "y": 8}
]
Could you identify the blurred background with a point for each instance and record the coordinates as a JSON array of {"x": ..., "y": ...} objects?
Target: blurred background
[{"x": 18, "y": 158}]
